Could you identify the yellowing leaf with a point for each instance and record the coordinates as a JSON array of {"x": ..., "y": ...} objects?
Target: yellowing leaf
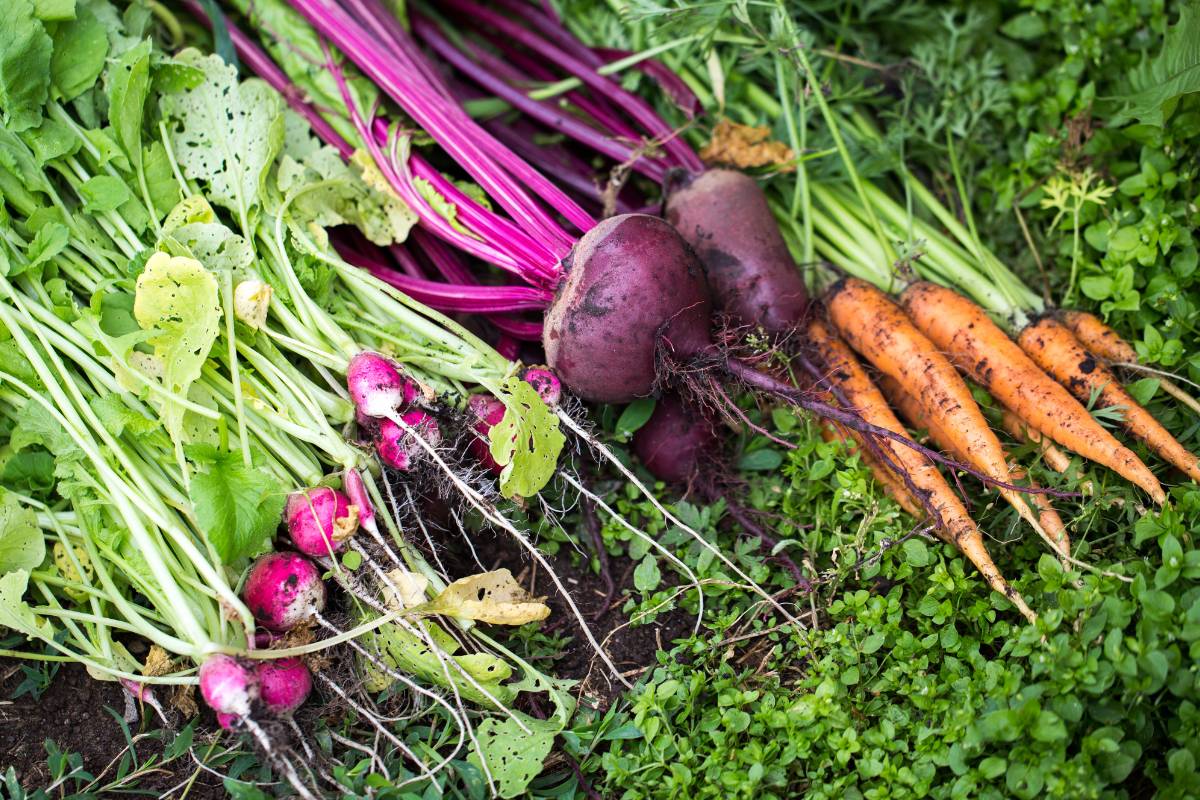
[
  {"x": 177, "y": 299},
  {"x": 744, "y": 147},
  {"x": 404, "y": 589},
  {"x": 492, "y": 597}
]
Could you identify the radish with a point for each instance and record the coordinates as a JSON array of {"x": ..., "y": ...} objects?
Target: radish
[
  {"x": 320, "y": 520},
  {"x": 283, "y": 684},
  {"x": 397, "y": 447},
  {"x": 487, "y": 411},
  {"x": 356, "y": 491},
  {"x": 377, "y": 387},
  {"x": 546, "y": 383},
  {"x": 228, "y": 685},
  {"x": 284, "y": 590}
]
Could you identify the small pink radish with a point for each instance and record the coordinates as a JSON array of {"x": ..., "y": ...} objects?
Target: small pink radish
[
  {"x": 320, "y": 520},
  {"x": 283, "y": 590},
  {"x": 488, "y": 411},
  {"x": 545, "y": 383},
  {"x": 227, "y": 685},
  {"x": 356, "y": 490},
  {"x": 283, "y": 684},
  {"x": 228, "y": 722},
  {"x": 397, "y": 448},
  {"x": 377, "y": 387}
]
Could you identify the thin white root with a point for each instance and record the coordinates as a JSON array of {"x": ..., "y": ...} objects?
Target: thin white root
[
  {"x": 693, "y": 579},
  {"x": 489, "y": 512},
  {"x": 365, "y": 713},
  {"x": 282, "y": 761},
  {"x": 609, "y": 456}
]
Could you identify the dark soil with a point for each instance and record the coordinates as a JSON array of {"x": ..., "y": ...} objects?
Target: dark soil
[
  {"x": 73, "y": 713},
  {"x": 631, "y": 648}
]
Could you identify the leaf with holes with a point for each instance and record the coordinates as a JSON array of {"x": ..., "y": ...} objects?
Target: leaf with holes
[
  {"x": 513, "y": 757},
  {"x": 21, "y": 543},
  {"x": 226, "y": 134},
  {"x": 492, "y": 597},
  {"x": 526, "y": 442}
]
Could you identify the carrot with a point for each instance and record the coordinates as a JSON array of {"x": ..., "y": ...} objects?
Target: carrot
[
  {"x": 879, "y": 330},
  {"x": 984, "y": 352},
  {"x": 953, "y": 523},
  {"x": 1103, "y": 342},
  {"x": 1055, "y": 348},
  {"x": 910, "y": 408},
  {"x": 1055, "y": 459}
]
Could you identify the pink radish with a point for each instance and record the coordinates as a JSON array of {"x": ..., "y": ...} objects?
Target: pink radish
[
  {"x": 377, "y": 387},
  {"x": 320, "y": 520},
  {"x": 284, "y": 590},
  {"x": 283, "y": 684},
  {"x": 488, "y": 411},
  {"x": 397, "y": 448},
  {"x": 546, "y": 383},
  {"x": 356, "y": 490},
  {"x": 227, "y": 685}
]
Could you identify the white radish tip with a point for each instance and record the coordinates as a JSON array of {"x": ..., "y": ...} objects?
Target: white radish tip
[
  {"x": 377, "y": 386},
  {"x": 227, "y": 685}
]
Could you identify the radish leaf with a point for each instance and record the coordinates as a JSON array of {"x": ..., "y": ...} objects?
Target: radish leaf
[
  {"x": 526, "y": 442},
  {"x": 24, "y": 66},
  {"x": 177, "y": 300},
  {"x": 21, "y": 543},
  {"x": 225, "y": 133},
  {"x": 237, "y": 507},
  {"x": 513, "y": 756}
]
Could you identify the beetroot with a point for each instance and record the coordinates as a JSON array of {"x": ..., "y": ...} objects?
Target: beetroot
[
  {"x": 676, "y": 442},
  {"x": 631, "y": 282},
  {"x": 283, "y": 590},
  {"x": 320, "y": 520},
  {"x": 723, "y": 215}
]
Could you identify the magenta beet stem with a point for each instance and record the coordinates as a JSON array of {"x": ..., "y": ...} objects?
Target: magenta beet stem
[
  {"x": 392, "y": 68},
  {"x": 457, "y": 298},
  {"x": 636, "y": 107},
  {"x": 675, "y": 87}
]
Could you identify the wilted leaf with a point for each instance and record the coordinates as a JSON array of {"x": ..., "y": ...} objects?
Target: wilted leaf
[
  {"x": 493, "y": 597},
  {"x": 744, "y": 147}
]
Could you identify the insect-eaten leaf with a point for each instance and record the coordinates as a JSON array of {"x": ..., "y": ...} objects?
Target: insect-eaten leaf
[
  {"x": 21, "y": 544},
  {"x": 513, "y": 756},
  {"x": 492, "y": 597},
  {"x": 526, "y": 442}
]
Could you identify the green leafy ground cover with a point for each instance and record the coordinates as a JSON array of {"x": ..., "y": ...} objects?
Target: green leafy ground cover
[{"x": 1077, "y": 125}]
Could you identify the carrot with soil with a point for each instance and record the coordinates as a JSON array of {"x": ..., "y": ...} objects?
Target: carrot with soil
[
  {"x": 1056, "y": 350},
  {"x": 954, "y": 523},
  {"x": 978, "y": 347}
]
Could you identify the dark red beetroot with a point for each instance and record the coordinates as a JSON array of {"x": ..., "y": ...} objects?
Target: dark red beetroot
[
  {"x": 723, "y": 214},
  {"x": 676, "y": 441},
  {"x": 631, "y": 282}
]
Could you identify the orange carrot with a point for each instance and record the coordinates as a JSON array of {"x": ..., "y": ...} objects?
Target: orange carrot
[
  {"x": 1055, "y": 459},
  {"x": 953, "y": 523},
  {"x": 1099, "y": 339},
  {"x": 879, "y": 330},
  {"x": 979, "y": 348},
  {"x": 1103, "y": 342},
  {"x": 1056, "y": 350},
  {"x": 911, "y": 410}
]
